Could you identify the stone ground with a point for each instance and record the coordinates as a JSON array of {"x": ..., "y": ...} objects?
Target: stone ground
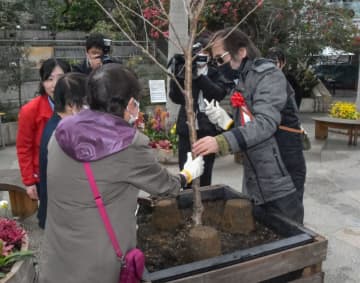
[{"x": 332, "y": 197}]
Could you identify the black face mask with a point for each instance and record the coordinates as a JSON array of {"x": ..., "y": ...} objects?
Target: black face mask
[{"x": 229, "y": 72}]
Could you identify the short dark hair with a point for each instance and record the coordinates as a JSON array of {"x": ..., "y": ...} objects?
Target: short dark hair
[
  {"x": 69, "y": 90},
  {"x": 110, "y": 87},
  {"x": 47, "y": 67},
  {"x": 95, "y": 40},
  {"x": 276, "y": 54},
  {"x": 236, "y": 40}
]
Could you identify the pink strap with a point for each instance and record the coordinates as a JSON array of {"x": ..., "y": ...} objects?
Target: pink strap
[{"x": 102, "y": 209}]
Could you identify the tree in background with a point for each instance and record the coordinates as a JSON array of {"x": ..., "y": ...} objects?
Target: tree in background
[
  {"x": 75, "y": 15},
  {"x": 87, "y": 16},
  {"x": 300, "y": 27}
]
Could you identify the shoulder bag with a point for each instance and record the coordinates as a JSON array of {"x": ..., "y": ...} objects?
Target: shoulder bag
[{"x": 133, "y": 263}]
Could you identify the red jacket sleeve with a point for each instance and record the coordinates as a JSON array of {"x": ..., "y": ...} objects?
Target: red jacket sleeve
[{"x": 25, "y": 143}]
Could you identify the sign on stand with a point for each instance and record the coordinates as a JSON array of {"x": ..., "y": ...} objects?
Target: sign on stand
[{"x": 157, "y": 91}]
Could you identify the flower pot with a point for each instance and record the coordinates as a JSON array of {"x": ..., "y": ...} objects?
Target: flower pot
[{"x": 22, "y": 271}]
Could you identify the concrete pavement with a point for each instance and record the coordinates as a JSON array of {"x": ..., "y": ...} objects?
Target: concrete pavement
[{"x": 332, "y": 197}]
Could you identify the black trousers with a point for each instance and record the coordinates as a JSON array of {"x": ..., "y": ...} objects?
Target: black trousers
[
  {"x": 184, "y": 148},
  {"x": 289, "y": 206},
  {"x": 290, "y": 146}
]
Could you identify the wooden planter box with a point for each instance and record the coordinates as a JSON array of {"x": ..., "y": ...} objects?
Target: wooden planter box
[{"x": 300, "y": 250}]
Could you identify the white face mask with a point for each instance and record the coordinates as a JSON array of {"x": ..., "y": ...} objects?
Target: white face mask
[{"x": 133, "y": 113}]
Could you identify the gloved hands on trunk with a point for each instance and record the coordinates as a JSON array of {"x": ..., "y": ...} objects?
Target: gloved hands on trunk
[
  {"x": 217, "y": 115},
  {"x": 193, "y": 168}
]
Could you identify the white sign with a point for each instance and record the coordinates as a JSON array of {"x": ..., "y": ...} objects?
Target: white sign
[{"x": 157, "y": 91}]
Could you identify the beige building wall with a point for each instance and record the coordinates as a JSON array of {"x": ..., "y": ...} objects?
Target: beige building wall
[{"x": 39, "y": 54}]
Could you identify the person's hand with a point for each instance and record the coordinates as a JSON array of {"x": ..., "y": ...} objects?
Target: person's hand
[
  {"x": 217, "y": 115},
  {"x": 95, "y": 61},
  {"x": 32, "y": 192},
  {"x": 193, "y": 168},
  {"x": 205, "y": 146}
]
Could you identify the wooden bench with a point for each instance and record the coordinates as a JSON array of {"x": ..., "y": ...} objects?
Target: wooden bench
[
  {"x": 322, "y": 125},
  {"x": 21, "y": 205}
]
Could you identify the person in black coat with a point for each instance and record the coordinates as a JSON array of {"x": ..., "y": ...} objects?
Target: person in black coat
[
  {"x": 97, "y": 54},
  {"x": 209, "y": 84},
  {"x": 290, "y": 143},
  {"x": 69, "y": 97}
]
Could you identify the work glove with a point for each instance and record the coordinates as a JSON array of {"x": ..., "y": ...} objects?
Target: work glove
[
  {"x": 193, "y": 168},
  {"x": 218, "y": 115}
]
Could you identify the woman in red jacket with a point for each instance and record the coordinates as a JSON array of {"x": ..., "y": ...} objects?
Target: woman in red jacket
[{"x": 32, "y": 119}]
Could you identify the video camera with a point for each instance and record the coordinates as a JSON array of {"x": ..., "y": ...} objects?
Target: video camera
[
  {"x": 177, "y": 62},
  {"x": 105, "y": 58}
]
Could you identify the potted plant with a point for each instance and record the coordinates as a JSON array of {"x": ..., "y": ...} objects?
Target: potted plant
[
  {"x": 162, "y": 135},
  {"x": 344, "y": 110},
  {"x": 15, "y": 257}
]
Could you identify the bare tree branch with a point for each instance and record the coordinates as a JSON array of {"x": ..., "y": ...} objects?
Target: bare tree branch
[
  {"x": 125, "y": 21},
  {"x": 171, "y": 26},
  {"x": 140, "y": 46},
  {"x": 145, "y": 28},
  {"x": 146, "y": 20},
  {"x": 243, "y": 19}
]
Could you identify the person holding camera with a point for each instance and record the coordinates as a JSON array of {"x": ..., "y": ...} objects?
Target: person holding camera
[
  {"x": 97, "y": 54},
  {"x": 208, "y": 84}
]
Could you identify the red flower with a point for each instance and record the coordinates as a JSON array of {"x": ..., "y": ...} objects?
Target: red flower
[
  {"x": 237, "y": 100},
  {"x": 259, "y": 2},
  {"x": 166, "y": 34},
  {"x": 10, "y": 232},
  {"x": 224, "y": 11},
  {"x": 227, "y": 4}
]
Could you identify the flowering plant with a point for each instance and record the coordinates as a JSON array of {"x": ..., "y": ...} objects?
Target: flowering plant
[
  {"x": 11, "y": 240},
  {"x": 344, "y": 110},
  {"x": 161, "y": 133}
]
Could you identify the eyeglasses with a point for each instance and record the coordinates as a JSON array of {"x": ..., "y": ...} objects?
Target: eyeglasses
[{"x": 219, "y": 59}]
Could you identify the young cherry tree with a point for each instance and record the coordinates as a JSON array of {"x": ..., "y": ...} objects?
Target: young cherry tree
[{"x": 159, "y": 11}]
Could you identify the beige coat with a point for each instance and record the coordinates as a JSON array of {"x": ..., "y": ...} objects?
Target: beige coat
[{"x": 76, "y": 247}]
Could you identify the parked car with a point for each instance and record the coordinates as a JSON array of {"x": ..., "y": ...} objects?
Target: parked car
[{"x": 341, "y": 76}]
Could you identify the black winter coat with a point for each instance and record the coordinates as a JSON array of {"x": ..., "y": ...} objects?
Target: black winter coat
[
  {"x": 83, "y": 67},
  {"x": 213, "y": 86}
]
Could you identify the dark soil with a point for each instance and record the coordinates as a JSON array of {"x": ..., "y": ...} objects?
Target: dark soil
[{"x": 168, "y": 249}]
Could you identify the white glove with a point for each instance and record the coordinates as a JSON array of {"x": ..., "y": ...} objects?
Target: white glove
[
  {"x": 193, "y": 168},
  {"x": 217, "y": 115}
]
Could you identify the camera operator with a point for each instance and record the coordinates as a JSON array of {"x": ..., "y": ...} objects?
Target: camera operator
[
  {"x": 207, "y": 84},
  {"x": 97, "y": 54}
]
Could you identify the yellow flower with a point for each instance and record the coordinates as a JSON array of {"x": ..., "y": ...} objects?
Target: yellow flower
[
  {"x": 344, "y": 110},
  {"x": 4, "y": 204},
  {"x": 173, "y": 130}
]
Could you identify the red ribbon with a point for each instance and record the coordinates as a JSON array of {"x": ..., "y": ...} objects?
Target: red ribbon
[{"x": 237, "y": 100}]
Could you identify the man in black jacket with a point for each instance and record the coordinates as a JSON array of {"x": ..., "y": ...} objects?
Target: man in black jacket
[
  {"x": 208, "y": 84},
  {"x": 95, "y": 45}
]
